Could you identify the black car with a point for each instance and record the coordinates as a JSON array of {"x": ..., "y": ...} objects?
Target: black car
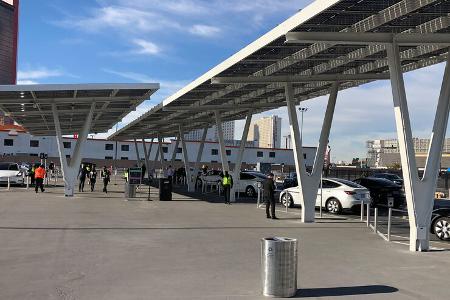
[
  {"x": 290, "y": 181},
  {"x": 381, "y": 189},
  {"x": 392, "y": 177},
  {"x": 440, "y": 219}
]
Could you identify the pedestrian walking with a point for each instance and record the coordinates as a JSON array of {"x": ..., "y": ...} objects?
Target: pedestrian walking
[
  {"x": 269, "y": 196},
  {"x": 227, "y": 185},
  {"x": 82, "y": 177},
  {"x": 93, "y": 178},
  {"x": 39, "y": 175},
  {"x": 106, "y": 176}
]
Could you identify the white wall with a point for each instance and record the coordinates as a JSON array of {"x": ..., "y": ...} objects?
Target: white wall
[{"x": 95, "y": 149}]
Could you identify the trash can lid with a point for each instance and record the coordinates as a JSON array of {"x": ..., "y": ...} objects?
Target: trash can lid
[{"x": 279, "y": 239}]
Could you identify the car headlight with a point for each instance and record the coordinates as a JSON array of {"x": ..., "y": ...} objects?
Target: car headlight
[{"x": 20, "y": 174}]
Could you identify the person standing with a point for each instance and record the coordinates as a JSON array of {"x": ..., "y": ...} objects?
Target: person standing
[
  {"x": 39, "y": 175},
  {"x": 82, "y": 177},
  {"x": 32, "y": 173},
  {"x": 170, "y": 173},
  {"x": 227, "y": 184},
  {"x": 106, "y": 176},
  {"x": 93, "y": 178},
  {"x": 269, "y": 196}
]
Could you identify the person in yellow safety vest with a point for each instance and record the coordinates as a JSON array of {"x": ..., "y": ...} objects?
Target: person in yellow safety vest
[
  {"x": 125, "y": 175},
  {"x": 227, "y": 184}
]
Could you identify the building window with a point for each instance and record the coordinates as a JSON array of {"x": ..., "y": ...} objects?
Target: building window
[
  {"x": 214, "y": 161},
  {"x": 124, "y": 158},
  {"x": 179, "y": 150},
  {"x": 67, "y": 155},
  {"x": 259, "y": 154},
  {"x": 67, "y": 145},
  {"x": 228, "y": 152},
  {"x": 109, "y": 147},
  {"x": 34, "y": 154},
  {"x": 108, "y": 157},
  {"x": 177, "y": 159},
  {"x": 214, "y": 152},
  {"x": 34, "y": 144},
  {"x": 8, "y": 142},
  {"x": 304, "y": 155},
  {"x": 272, "y": 154},
  {"x": 165, "y": 149},
  {"x": 125, "y": 148}
]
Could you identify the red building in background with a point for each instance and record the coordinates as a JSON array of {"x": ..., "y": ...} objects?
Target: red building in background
[{"x": 9, "y": 29}]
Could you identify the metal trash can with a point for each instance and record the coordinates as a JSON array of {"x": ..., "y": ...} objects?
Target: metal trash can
[
  {"x": 165, "y": 189},
  {"x": 130, "y": 191},
  {"x": 279, "y": 267}
]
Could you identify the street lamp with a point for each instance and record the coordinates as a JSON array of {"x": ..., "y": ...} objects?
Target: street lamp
[{"x": 302, "y": 110}]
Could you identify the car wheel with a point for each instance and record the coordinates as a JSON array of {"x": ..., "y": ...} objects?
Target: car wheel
[
  {"x": 250, "y": 191},
  {"x": 442, "y": 228},
  {"x": 287, "y": 198},
  {"x": 333, "y": 206}
]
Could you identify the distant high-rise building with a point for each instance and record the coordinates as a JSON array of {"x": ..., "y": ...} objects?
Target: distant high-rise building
[
  {"x": 9, "y": 13},
  {"x": 266, "y": 132},
  {"x": 212, "y": 135}
]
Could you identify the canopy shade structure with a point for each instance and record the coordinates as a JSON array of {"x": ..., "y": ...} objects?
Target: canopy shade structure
[
  {"x": 31, "y": 105},
  {"x": 269, "y": 61}
]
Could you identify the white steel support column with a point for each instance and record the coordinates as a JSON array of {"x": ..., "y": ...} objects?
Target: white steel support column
[
  {"x": 308, "y": 184},
  {"x": 174, "y": 153},
  {"x": 238, "y": 164},
  {"x": 223, "y": 153},
  {"x": 138, "y": 158},
  {"x": 419, "y": 192},
  {"x": 200, "y": 154},
  {"x": 186, "y": 160},
  {"x": 161, "y": 152},
  {"x": 147, "y": 156},
  {"x": 70, "y": 171}
]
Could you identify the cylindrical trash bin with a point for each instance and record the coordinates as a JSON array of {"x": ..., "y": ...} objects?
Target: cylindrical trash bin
[
  {"x": 165, "y": 189},
  {"x": 130, "y": 191},
  {"x": 279, "y": 266}
]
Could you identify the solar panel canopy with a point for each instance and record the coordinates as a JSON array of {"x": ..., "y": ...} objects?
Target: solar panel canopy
[
  {"x": 270, "y": 55},
  {"x": 31, "y": 105}
]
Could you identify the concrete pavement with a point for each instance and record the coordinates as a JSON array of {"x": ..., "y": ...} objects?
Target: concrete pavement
[{"x": 98, "y": 246}]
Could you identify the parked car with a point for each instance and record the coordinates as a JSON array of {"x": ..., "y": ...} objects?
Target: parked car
[
  {"x": 392, "y": 177},
  {"x": 13, "y": 171},
  {"x": 290, "y": 181},
  {"x": 440, "y": 219},
  {"x": 381, "y": 189},
  {"x": 248, "y": 182},
  {"x": 337, "y": 195}
]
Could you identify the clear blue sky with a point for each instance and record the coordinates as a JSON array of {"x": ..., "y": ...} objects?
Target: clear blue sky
[{"x": 175, "y": 41}]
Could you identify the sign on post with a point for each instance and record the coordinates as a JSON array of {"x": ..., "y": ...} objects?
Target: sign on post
[{"x": 135, "y": 176}]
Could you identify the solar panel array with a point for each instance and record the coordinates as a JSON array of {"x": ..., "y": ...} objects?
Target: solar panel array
[{"x": 271, "y": 56}]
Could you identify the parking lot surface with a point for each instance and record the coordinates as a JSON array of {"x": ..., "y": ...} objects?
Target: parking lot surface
[{"x": 98, "y": 246}]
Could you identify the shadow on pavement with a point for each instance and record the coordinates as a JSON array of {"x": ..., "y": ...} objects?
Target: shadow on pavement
[{"x": 345, "y": 291}]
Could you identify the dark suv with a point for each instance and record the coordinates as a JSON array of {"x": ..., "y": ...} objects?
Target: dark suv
[
  {"x": 392, "y": 177},
  {"x": 440, "y": 220},
  {"x": 381, "y": 189}
]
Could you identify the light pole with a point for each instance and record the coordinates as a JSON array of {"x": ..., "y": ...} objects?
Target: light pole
[{"x": 302, "y": 110}]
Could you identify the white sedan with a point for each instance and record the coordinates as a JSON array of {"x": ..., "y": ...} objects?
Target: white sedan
[
  {"x": 337, "y": 195},
  {"x": 11, "y": 171}
]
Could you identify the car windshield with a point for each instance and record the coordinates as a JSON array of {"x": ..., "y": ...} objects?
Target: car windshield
[
  {"x": 349, "y": 183},
  {"x": 256, "y": 174},
  {"x": 8, "y": 167},
  {"x": 392, "y": 176}
]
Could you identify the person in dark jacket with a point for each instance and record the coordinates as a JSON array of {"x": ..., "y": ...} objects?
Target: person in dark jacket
[
  {"x": 93, "y": 178},
  {"x": 269, "y": 196},
  {"x": 82, "y": 177},
  {"x": 106, "y": 176}
]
